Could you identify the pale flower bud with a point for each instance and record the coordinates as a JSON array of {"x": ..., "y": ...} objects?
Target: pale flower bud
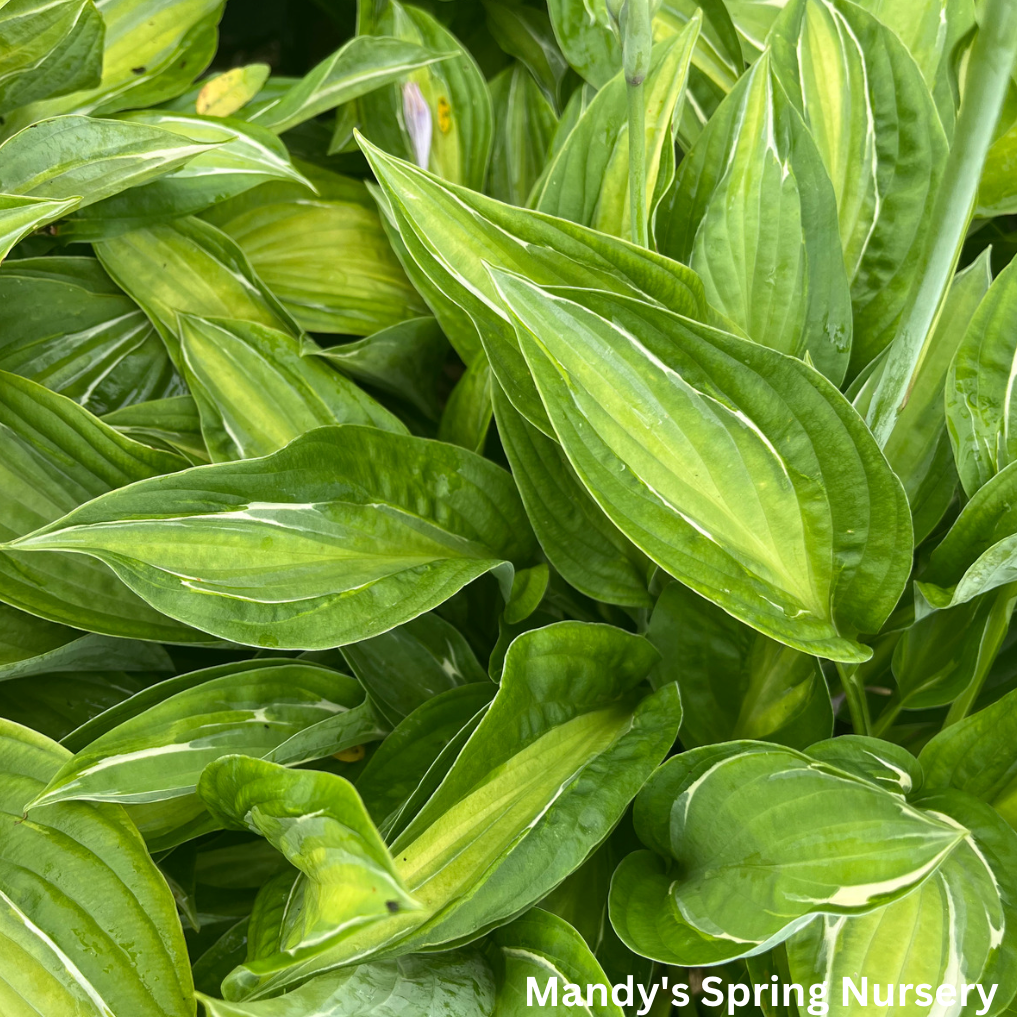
[{"x": 417, "y": 115}]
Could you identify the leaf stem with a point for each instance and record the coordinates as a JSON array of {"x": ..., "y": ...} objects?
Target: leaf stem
[
  {"x": 994, "y": 633},
  {"x": 637, "y": 165},
  {"x": 988, "y": 77},
  {"x": 635, "y": 23},
  {"x": 854, "y": 692}
]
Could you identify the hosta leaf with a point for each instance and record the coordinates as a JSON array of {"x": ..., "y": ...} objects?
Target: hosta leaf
[
  {"x": 588, "y": 179},
  {"x": 49, "y": 49},
  {"x": 189, "y": 266},
  {"x": 325, "y": 256},
  {"x": 918, "y": 448},
  {"x": 336, "y": 569},
  {"x": 884, "y": 764},
  {"x": 64, "y": 324},
  {"x": 541, "y": 781},
  {"x": 932, "y": 30},
  {"x": 997, "y": 192},
  {"x": 669, "y": 424},
  {"x": 416, "y": 746},
  {"x": 543, "y": 947},
  {"x": 244, "y": 157},
  {"x": 467, "y": 415},
  {"x": 959, "y": 926},
  {"x": 404, "y": 360},
  {"x": 579, "y": 540},
  {"x": 256, "y": 393},
  {"x": 977, "y": 755},
  {"x": 451, "y": 133},
  {"x": 78, "y": 873},
  {"x": 979, "y": 552},
  {"x": 56, "y": 706},
  {"x": 32, "y": 646},
  {"x": 878, "y": 134},
  {"x": 524, "y": 124},
  {"x": 753, "y": 212},
  {"x": 172, "y": 730},
  {"x": 752, "y": 871},
  {"x": 172, "y": 424},
  {"x": 89, "y": 157},
  {"x": 404, "y": 667},
  {"x": 718, "y": 55},
  {"x": 939, "y": 656},
  {"x": 450, "y": 233},
  {"x": 319, "y": 823},
  {"x": 223, "y": 94},
  {"x": 979, "y": 387},
  {"x": 526, "y": 34},
  {"x": 423, "y": 985},
  {"x": 357, "y": 68},
  {"x": 735, "y": 682},
  {"x": 55, "y": 456},
  {"x": 19, "y": 216},
  {"x": 584, "y": 32},
  {"x": 153, "y": 50}
]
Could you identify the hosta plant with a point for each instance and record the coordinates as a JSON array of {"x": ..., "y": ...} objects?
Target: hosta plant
[{"x": 507, "y": 493}]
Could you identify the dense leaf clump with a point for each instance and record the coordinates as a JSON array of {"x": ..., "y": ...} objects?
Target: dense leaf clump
[{"x": 507, "y": 490}]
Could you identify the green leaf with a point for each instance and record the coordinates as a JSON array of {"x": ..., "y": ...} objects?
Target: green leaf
[
  {"x": 450, "y": 233},
  {"x": 406, "y": 760},
  {"x": 987, "y": 80},
  {"x": 589, "y": 551},
  {"x": 467, "y": 415},
  {"x": 153, "y": 50},
  {"x": 244, "y": 157},
  {"x": 736, "y": 683},
  {"x": 979, "y": 387},
  {"x": 49, "y": 49},
  {"x": 223, "y": 94},
  {"x": 526, "y": 34},
  {"x": 584, "y": 32},
  {"x": 423, "y": 985},
  {"x": 31, "y": 646},
  {"x": 20, "y": 216},
  {"x": 405, "y": 360},
  {"x": 367, "y": 530},
  {"x": 668, "y": 424},
  {"x": 89, "y": 157},
  {"x": 524, "y": 123},
  {"x": 587, "y": 181},
  {"x": 55, "y": 456},
  {"x": 451, "y": 131},
  {"x": 353, "y": 70},
  {"x": 65, "y": 325},
  {"x": 542, "y": 946},
  {"x": 753, "y": 212},
  {"x": 191, "y": 267},
  {"x": 884, "y": 764},
  {"x": 404, "y": 667},
  {"x": 293, "y": 239},
  {"x": 918, "y": 448},
  {"x": 319, "y": 823},
  {"x": 879, "y": 137},
  {"x": 172, "y": 730},
  {"x": 959, "y": 927},
  {"x": 72, "y": 873},
  {"x": 977, "y": 755},
  {"x": 256, "y": 393},
  {"x": 997, "y": 193},
  {"x": 570, "y": 734},
  {"x": 56, "y": 706},
  {"x": 939, "y": 656},
  {"x": 172, "y": 424},
  {"x": 978, "y": 552},
  {"x": 734, "y": 819}
]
